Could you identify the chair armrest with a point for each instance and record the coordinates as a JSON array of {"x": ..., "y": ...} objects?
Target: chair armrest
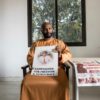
[
  {"x": 67, "y": 66},
  {"x": 24, "y": 68}
]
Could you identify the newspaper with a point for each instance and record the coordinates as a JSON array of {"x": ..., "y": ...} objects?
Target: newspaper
[
  {"x": 45, "y": 62},
  {"x": 87, "y": 72}
]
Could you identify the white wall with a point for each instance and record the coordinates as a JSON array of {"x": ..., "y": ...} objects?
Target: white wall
[
  {"x": 92, "y": 31},
  {"x": 13, "y": 35}
]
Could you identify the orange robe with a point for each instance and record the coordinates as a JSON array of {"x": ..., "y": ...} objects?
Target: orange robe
[{"x": 46, "y": 87}]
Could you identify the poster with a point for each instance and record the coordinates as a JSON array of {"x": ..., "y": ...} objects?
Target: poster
[
  {"x": 88, "y": 72},
  {"x": 45, "y": 62}
]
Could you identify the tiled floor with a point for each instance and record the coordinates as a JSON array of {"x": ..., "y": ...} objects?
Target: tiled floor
[
  {"x": 11, "y": 91},
  {"x": 89, "y": 93}
]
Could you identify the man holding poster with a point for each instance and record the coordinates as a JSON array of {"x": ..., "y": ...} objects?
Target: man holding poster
[{"x": 47, "y": 87}]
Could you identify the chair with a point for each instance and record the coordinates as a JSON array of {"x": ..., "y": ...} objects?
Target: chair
[{"x": 65, "y": 65}]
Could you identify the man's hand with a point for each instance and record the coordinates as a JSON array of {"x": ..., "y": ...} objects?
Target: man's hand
[{"x": 58, "y": 49}]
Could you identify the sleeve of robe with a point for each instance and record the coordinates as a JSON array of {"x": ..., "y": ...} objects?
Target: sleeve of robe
[
  {"x": 30, "y": 55},
  {"x": 65, "y": 54}
]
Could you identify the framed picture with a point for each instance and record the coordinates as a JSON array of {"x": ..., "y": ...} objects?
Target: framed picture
[{"x": 67, "y": 17}]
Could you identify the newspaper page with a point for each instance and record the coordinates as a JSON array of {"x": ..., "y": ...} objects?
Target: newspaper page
[
  {"x": 88, "y": 72},
  {"x": 45, "y": 61}
]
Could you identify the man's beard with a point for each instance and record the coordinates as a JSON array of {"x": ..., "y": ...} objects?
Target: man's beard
[{"x": 48, "y": 35}]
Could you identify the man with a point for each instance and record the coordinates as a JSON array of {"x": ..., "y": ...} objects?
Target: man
[{"x": 47, "y": 87}]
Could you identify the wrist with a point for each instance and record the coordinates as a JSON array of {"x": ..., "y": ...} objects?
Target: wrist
[{"x": 60, "y": 56}]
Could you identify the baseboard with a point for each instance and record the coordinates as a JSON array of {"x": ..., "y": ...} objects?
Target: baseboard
[{"x": 11, "y": 78}]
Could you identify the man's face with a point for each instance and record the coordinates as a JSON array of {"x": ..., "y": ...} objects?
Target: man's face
[{"x": 47, "y": 31}]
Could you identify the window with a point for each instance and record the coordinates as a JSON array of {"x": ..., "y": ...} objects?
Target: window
[{"x": 66, "y": 16}]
